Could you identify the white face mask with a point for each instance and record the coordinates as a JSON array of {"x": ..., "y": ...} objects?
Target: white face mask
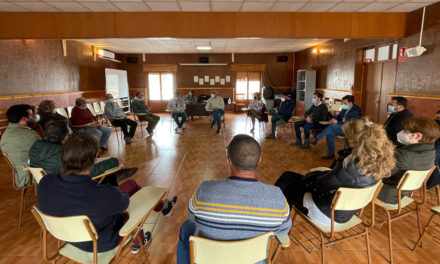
[
  {"x": 403, "y": 138},
  {"x": 212, "y": 95},
  {"x": 283, "y": 99},
  {"x": 54, "y": 111},
  {"x": 36, "y": 119}
]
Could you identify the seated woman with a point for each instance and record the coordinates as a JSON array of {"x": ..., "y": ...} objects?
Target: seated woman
[
  {"x": 371, "y": 160},
  {"x": 255, "y": 111},
  {"x": 47, "y": 112},
  {"x": 190, "y": 98},
  {"x": 418, "y": 153}
]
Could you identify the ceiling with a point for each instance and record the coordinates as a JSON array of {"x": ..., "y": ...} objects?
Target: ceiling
[
  {"x": 212, "y": 5},
  {"x": 178, "y": 45}
]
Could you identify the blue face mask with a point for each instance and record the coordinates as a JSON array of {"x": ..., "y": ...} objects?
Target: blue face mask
[
  {"x": 314, "y": 101},
  {"x": 345, "y": 107},
  {"x": 391, "y": 108},
  {"x": 111, "y": 100}
]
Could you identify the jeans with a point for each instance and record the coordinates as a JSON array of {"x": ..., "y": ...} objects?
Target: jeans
[
  {"x": 101, "y": 132},
  {"x": 186, "y": 230},
  {"x": 307, "y": 127},
  {"x": 217, "y": 117},
  {"x": 275, "y": 118},
  {"x": 331, "y": 132},
  {"x": 123, "y": 124},
  {"x": 176, "y": 118}
]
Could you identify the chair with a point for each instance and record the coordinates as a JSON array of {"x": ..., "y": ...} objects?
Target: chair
[
  {"x": 22, "y": 189},
  {"x": 141, "y": 122},
  {"x": 80, "y": 228},
  {"x": 98, "y": 110},
  {"x": 344, "y": 199},
  {"x": 435, "y": 211},
  {"x": 62, "y": 112},
  {"x": 92, "y": 110},
  {"x": 69, "y": 111},
  {"x": 112, "y": 119},
  {"x": 101, "y": 176},
  {"x": 281, "y": 124},
  {"x": 410, "y": 181},
  {"x": 247, "y": 251},
  {"x": 37, "y": 173}
]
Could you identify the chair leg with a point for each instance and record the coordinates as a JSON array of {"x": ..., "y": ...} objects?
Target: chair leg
[
  {"x": 424, "y": 231},
  {"x": 368, "y": 245},
  {"x": 22, "y": 201},
  {"x": 322, "y": 249},
  {"x": 390, "y": 239},
  {"x": 437, "y": 191},
  {"x": 419, "y": 225}
]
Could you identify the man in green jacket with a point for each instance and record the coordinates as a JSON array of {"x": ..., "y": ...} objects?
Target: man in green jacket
[
  {"x": 18, "y": 139},
  {"x": 139, "y": 106}
]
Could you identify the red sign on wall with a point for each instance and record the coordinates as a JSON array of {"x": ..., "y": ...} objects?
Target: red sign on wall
[{"x": 402, "y": 54}]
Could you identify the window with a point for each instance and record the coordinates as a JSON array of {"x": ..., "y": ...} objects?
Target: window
[
  {"x": 369, "y": 55},
  {"x": 394, "y": 54},
  {"x": 383, "y": 53},
  {"x": 247, "y": 84},
  {"x": 160, "y": 86},
  {"x": 379, "y": 53}
]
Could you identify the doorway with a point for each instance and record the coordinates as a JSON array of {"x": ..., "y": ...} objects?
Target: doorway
[{"x": 378, "y": 80}]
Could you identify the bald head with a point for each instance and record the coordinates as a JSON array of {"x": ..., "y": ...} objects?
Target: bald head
[{"x": 244, "y": 153}]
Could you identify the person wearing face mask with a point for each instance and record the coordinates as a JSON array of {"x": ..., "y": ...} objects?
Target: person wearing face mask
[
  {"x": 114, "y": 112},
  {"x": 399, "y": 113},
  {"x": 86, "y": 122},
  {"x": 47, "y": 112},
  {"x": 256, "y": 110},
  {"x": 284, "y": 112},
  {"x": 177, "y": 105},
  {"x": 190, "y": 98},
  {"x": 139, "y": 106},
  {"x": 17, "y": 140},
  {"x": 217, "y": 105},
  {"x": 350, "y": 111},
  {"x": 418, "y": 153},
  {"x": 317, "y": 112}
]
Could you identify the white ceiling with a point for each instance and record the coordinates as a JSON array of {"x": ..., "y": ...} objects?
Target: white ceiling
[
  {"x": 212, "y": 5},
  {"x": 176, "y": 45}
]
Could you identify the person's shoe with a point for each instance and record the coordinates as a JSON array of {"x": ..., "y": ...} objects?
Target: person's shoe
[
  {"x": 136, "y": 247},
  {"x": 271, "y": 136},
  {"x": 252, "y": 130},
  {"x": 297, "y": 142},
  {"x": 313, "y": 140},
  {"x": 306, "y": 144},
  {"x": 178, "y": 130},
  {"x": 123, "y": 174},
  {"x": 218, "y": 130},
  {"x": 183, "y": 128},
  {"x": 169, "y": 209},
  {"x": 128, "y": 140},
  {"x": 328, "y": 156},
  {"x": 103, "y": 148}
]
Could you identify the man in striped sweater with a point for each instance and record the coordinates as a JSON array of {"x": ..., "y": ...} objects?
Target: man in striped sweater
[{"x": 238, "y": 207}]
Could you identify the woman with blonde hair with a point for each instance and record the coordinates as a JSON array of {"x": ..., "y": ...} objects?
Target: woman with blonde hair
[
  {"x": 370, "y": 161},
  {"x": 255, "y": 110}
]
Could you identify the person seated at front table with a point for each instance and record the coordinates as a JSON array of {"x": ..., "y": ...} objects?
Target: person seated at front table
[
  {"x": 284, "y": 112},
  {"x": 47, "y": 112},
  {"x": 177, "y": 105},
  {"x": 73, "y": 192},
  {"x": 349, "y": 112},
  {"x": 140, "y": 107},
  {"x": 217, "y": 105},
  {"x": 190, "y": 97},
  {"x": 399, "y": 113},
  {"x": 255, "y": 110},
  {"x": 17, "y": 139},
  {"x": 417, "y": 153},
  {"x": 370, "y": 161},
  {"x": 113, "y": 110},
  {"x": 316, "y": 113},
  {"x": 46, "y": 154},
  {"x": 238, "y": 207},
  {"x": 81, "y": 115}
]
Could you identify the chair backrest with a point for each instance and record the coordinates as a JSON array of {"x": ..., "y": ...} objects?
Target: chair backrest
[
  {"x": 97, "y": 108},
  {"x": 121, "y": 104},
  {"x": 89, "y": 106},
  {"x": 62, "y": 112},
  {"x": 13, "y": 168},
  {"x": 37, "y": 173},
  {"x": 251, "y": 250},
  {"x": 102, "y": 104},
  {"x": 413, "y": 180},
  {"x": 69, "y": 229},
  {"x": 69, "y": 111},
  {"x": 354, "y": 198}
]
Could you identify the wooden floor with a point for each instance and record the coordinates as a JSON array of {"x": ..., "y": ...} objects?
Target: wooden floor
[{"x": 180, "y": 162}]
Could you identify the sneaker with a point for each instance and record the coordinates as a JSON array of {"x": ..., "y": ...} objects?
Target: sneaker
[
  {"x": 297, "y": 142},
  {"x": 103, "y": 148},
  {"x": 169, "y": 209},
  {"x": 128, "y": 140},
  {"x": 123, "y": 174},
  {"x": 212, "y": 125},
  {"x": 306, "y": 145},
  {"x": 313, "y": 140},
  {"x": 218, "y": 131},
  {"x": 136, "y": 247},
  {"x": 328, "y": 156},
  {"x": 178, "y": 130},
  {"x": 183, "y": 128}
]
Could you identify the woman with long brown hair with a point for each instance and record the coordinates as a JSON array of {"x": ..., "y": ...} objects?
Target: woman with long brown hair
[{"x": 370, "y": 161}]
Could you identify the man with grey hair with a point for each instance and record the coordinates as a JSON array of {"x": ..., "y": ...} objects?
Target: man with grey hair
[{"x": 114, "y": 112}]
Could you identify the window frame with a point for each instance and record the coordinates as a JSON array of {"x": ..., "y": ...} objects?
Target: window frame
[
  {"x": 249, "y": 96},
  {"x": 160, "y": 85}
]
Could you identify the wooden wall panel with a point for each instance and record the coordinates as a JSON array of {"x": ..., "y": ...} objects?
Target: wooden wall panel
[
  {"x": 378, "y": 25},
  {"x": 421, "y": 104}
]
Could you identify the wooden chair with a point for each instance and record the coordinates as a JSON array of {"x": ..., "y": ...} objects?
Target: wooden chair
[
  {"x": 435, "y": 212},
  {"x": 140, "y": 122},
  {"x": 112, "y": 119},
  {"x": 80, "y": 228},
  {"x": 92, "y": 110},
  {"x": 410, "y": 181},
  {"x": 37, "y": 173},
  {"x": 101, "y": 176},
  {"x": 344, "y": 199},
  {"x": 69, "y": 111},
  {"x": 99, "y": 111},
  {"x": 283, "y": 125},
  {"x": 62, "y": 112},
  {"x": 247, "y": 251},
  {"x": 22, "y": 189}
]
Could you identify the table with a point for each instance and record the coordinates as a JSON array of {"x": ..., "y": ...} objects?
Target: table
[{"x": 196, "y": 109}]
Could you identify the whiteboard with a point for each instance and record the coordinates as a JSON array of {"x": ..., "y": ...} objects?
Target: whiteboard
[{"x": 116, "y": 83}]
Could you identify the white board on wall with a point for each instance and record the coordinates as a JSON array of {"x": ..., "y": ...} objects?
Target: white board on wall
[{"x": 116, "y": 83}]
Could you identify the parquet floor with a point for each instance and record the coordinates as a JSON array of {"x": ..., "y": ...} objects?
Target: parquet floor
[{"x": 180, "y": 162}]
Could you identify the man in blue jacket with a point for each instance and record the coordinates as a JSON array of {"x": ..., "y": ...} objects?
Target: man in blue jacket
[
  {"x": 284, "y": 112},
  {"x": 349, "y": 111}
]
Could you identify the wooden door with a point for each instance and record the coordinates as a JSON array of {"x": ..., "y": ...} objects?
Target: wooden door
[{"x": 388, "y": 82}]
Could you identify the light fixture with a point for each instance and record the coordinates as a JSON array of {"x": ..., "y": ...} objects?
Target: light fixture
[
  {"x": 204, "y": 48},
  {"x": 100, "y": 52},
  {"x": 315, "y": 50}
]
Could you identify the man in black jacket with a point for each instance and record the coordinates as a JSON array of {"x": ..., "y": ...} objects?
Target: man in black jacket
[{"x": 399, "y": 113}]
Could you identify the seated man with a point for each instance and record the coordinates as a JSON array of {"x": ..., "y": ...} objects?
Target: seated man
[
  {"x": 236, "y": 208},
  {"x": 17, "y": 139},
  {"x": 399, "y": 113},
  {"x": 47, "y": 112},
  {"x": 177, "y": 105},
  {"x": 317, "y": 112},
  {"x": 217, "y": 105},
  {"x": 190, "y": 97},
  {"x": 284, "y": 112},
  {"x": 73, "y": 192},
  {"x": 349, "y": 111},
  {"x": 46, "y": 154},
  {"x": 81, "y": 115},
  {"x": 139, "y": 106},
  {"x": 113, "y": 110}
]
